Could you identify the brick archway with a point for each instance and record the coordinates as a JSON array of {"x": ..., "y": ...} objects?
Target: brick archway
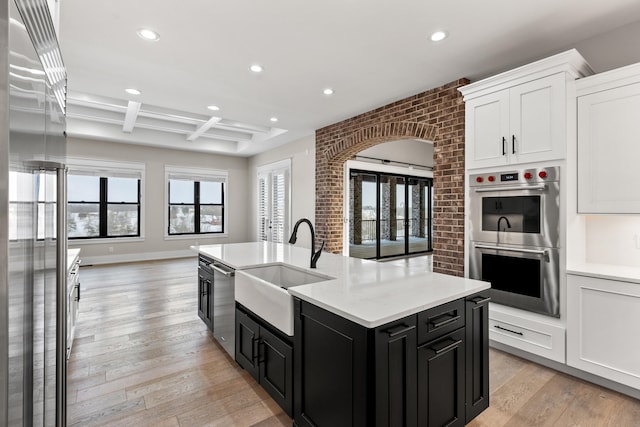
[{"x": 436, "y": 115}]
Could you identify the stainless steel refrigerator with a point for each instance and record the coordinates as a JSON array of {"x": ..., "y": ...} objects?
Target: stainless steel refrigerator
[{"x": 32, "y": 218}]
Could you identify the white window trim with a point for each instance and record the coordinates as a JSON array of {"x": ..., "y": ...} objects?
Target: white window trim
[
  {"x": 268, "y": 169},
  {"x": 195, "y": 174},
  {"x": 114, "y": 169}
]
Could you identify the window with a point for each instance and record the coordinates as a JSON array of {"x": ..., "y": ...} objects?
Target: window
[
  {"x": 273, "y": 202},
  {"x": 103, "y": 203},
  {"x": 196, "y": 201}
]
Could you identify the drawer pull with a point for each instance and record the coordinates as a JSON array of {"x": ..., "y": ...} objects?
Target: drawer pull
[
  {"x": 508, "y": 330},
  {"x": 399, "y": 330},
  {"x": 480, "y": 300},
  {"x": 447, "y": 347},
  {"x": 449, "y": 318},
  {"x": 256, "y": 348}
]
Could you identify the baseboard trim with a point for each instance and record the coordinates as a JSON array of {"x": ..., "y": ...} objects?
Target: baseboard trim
[
  {"x": 586, "y": 376},
  {"x": 136, "y": 257}
]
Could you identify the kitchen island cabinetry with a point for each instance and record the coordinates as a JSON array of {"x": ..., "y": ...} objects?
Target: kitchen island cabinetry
[
  {"x": 608, "y": 149},
  {"x": 602, "y": 325},
  {"x": 266, "y": 355},
  {"x": 409, "y": 372},
  {"x": 205, "y": 291},
  {"x": 355, "y": 331},
  {"x": 477, "y": 360}
]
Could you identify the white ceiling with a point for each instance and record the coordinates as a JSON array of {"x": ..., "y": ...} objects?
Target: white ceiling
[{"x": 371, "y": 52}]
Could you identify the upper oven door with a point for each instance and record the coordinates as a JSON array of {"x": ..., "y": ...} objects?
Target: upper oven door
[{"x": 516, "y": 214}]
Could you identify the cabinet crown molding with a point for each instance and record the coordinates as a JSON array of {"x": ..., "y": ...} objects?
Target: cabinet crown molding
[
  {"x": 570, "y": 62},
  {"x": 609, "y": 80}
]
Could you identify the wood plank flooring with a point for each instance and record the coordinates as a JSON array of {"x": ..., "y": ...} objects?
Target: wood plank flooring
[{"x": 142, "y": 357}]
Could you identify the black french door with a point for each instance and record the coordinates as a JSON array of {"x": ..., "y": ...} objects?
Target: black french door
[{"x": 390, "y": 215}]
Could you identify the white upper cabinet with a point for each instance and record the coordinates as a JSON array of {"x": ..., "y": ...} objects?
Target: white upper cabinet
[
  {"x": 521, "y": 116},
  {"x": 609, "y": 142}
]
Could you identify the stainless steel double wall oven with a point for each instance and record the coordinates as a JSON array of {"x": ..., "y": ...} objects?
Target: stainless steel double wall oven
[{"x": 514, "y": 233}]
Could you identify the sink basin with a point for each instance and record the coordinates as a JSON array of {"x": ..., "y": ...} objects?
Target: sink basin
[{"x": 263, "y": 290}]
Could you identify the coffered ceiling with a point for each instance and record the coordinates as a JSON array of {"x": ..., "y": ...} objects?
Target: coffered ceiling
[{"x": 370, "y": 52}]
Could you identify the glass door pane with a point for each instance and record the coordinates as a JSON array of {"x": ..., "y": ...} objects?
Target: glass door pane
[
  {"x": 363, "y": 212},
  {"x": 392, "y": 216},
  {"x": 418, "y": 215}
]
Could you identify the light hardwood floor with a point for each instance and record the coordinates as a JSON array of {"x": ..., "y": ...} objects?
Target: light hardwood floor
[{"x": 142, "y": 357}]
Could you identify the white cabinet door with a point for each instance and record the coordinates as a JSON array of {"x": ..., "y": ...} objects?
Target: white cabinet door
[
  {"x": 602, "y": 328},
  {"x": 522, "y": 124},
  {"x": 609, "y": 151},
  {"x": 538, "y": 120},
  {"x": 487, "y": 124}
]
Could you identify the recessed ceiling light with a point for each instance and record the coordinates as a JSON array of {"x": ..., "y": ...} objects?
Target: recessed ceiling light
[
  {"x": 328, "y": 91},
  {"x": 274, "y": 119},
  {"x": 438, "y": 36},
  {"x": 132, "y": 91},
  {"x": 213, "y": 107},
  {"x": 256, "y": 68},
  {"x": 148, "y": 34}
]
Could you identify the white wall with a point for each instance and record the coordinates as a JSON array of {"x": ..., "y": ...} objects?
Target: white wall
[
  {"x": 406, "y": 151},
  {"x": 613, "y": 239},
  {"x": 155, "y": 245},
  {"x": 303, "y": 184},
  {"x": 612, "y": 50}
]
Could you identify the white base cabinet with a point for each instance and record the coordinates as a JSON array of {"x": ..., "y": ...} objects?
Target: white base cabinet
[
  {"x": 526, "y": 331},
  {"x": 608, "y": 135},
  {"x": 603, "y": 317}
]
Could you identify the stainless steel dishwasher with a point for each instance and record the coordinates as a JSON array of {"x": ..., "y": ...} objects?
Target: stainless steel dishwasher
[{"x": 224, "y": 306}]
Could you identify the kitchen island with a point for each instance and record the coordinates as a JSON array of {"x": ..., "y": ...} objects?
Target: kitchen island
[{"x": 373, "y": 343}]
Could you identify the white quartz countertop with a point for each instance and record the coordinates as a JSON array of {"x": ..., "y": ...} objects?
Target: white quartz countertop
[
  {"x": 366, "y": 292},
  {"x": 607, "y": 271}
]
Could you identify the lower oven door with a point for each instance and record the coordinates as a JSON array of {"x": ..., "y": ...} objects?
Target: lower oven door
[{"x": 522, "y": 277}]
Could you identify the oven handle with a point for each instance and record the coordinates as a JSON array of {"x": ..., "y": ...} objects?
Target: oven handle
[
  {"x": 502, "y": 248},
  {"x": 539, "y": 187}
]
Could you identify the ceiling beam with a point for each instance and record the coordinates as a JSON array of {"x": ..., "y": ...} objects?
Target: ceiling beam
[
  {"x": 132, "y": 115},
  {"x": 203, "y": 128}
]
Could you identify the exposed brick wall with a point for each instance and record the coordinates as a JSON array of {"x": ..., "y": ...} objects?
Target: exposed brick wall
[{"x": 436, "y": 115}]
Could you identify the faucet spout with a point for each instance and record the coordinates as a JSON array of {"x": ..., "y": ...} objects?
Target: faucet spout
[
  {"x": 506, "y": 219},
  {"x": 294, "y": 237},
  {"x": 498, "y": 232}
]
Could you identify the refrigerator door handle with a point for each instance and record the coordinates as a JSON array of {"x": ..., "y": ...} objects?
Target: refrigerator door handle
[{"x": 61, "y": 296}]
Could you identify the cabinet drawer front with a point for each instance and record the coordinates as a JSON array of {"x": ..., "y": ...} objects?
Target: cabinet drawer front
[{"x": 440, "y": 320}]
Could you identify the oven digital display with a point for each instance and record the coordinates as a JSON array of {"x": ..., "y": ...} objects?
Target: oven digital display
[{"x": 505, "y": 177}]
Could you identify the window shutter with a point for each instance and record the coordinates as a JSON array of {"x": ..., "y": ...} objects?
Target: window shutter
[
  {"x": 273, "y": 201},
  {"x": 278, "y": 206},
  {"x": 263, "y": 200}
]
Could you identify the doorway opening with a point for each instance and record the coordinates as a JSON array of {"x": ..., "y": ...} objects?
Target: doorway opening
[{"x": 390, "y": 214}]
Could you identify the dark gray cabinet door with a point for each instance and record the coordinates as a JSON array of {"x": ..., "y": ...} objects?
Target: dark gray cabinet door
[
  {"x": 247, "y": 340},
  {"x": 332, "y": 375},
  {"x": 275, "y": 359},
  {"x": 205, "y": 302},
  {"x": 441, "y": 381},
  {"x": 396, "y": 379},
  {"x": 477, "y": 354}
]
